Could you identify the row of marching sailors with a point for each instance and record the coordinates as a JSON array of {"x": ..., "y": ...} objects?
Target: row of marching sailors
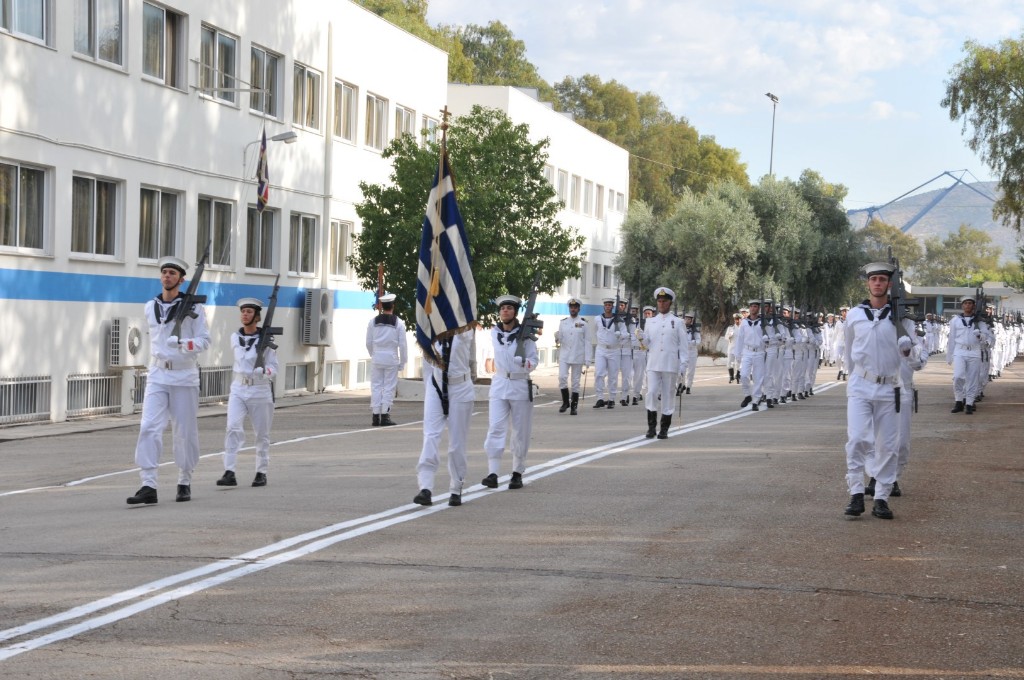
[
  {"x": 978, "y": 349},
  {"x": 774, "y": 359}
]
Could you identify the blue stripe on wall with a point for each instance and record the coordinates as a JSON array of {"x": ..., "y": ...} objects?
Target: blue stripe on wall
[{"x": 20, "y": 284}]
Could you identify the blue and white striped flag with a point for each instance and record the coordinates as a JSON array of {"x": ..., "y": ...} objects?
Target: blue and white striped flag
[{"x": 445, "y": 290}]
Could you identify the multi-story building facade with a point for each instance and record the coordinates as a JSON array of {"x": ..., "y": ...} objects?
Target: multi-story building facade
[{"x": 129, "y": 130}]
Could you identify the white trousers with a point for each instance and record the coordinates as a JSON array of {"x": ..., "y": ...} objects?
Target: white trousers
[
  {"x": 966, "y": 378},
  {"x": 606, "y": 370},
  {"x": 771, "y": 376},
  {"x": 661, "y": 384},
  {"x": 383, "y": 383},
  {"x": 434, "y": 423},
  {"x": 179, "y": 404},
  {"x": 261, "y": 414},
  {"x": 691, "y": 369},
  {"x": 752, "y": 368},
  {"x": 872, "y": 444},
  {"x": 502, "y": 413},
  {"x": 906, "y": 411},
  {"x": 639, "y": 371},
  {"x": 567, "y": 372},
  {"x": 626, "y": 371}
]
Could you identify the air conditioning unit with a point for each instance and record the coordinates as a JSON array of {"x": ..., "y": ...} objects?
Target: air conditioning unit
[
  {"x": 127, "y": 343},
  {"x": 317, "y": 317}
]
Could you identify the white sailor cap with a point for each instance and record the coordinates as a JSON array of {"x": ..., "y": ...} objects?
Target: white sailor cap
[
  {"x": 787, "y": 308},
  {"x": 648, "y": 308},
  {"x": 503, "y": 300},
  {"x": 255, "y": 303},
  {"x": 688, "y": 314},
  {"x": 754, "y": 302},
  {"x": 664, "y": 292},
  {"x": 388, "y": 297},
  {"x": 844, "y": 308},
  {"x": 872, "y": 268},
  {"x": 745, "y": 309},
  {"x": 737, "y": 315},
  {"x": 174, "y": 263},
  {"x": 608, "y": 300},
  {"x": 768, "y": 301},
  {"x": 966, "y": 298},
  {"x": 574, "y": 301},
  {"x": 831, "y": 314}
]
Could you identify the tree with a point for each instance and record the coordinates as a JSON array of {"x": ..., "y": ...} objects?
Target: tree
[
  {"x": 964, "y": 255},
  {"x": 506, "y": 203},
  {"x": 878, "y": 237},
  {"x": 500, "y": 59},
  {"x": 786, "y": 230},
  {"x": 986, "y": 92}
]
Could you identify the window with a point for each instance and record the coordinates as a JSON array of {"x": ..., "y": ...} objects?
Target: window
[
  {"x": 588, "y": 197},
  {"x": 259, "y": 239},
  {"x": 158, "y": 223},
  {"x": 376, "y": 121},
  {"x": 93, "y": 216},
  {"x": 266, "y": 88},
  {"x": 608, "y": 276},
  {"x": 549, "y": 174},
  {"x": 22, "y": 190},
  {"x": 345, "y": 105},
  {"x": 583, "y": 277},
  {"x": 29, "y": 18},
  {"x": 599, "y": 202},
  {"x": 341, "y": 247},
  {"x": 302, "y": 245},
  {"x": 215, "y": 228},
  {"x": 98, "y": 29},
  {"x": 611, "y": 200},
  {"x": 429, "y": 130},
  {"x": 574, "y": 196},
  {"x": 563, "y": 185},
  {"x": 217, "y": 64},
  {"x": 306, "y": 102},
  {"x": 620, "y": 202},
  {"x": 296, "y": 377},
  {"x": 597, "y": 275},
  {"x": 163, "y": 45},
  {"x": 405, "y": 121},
  {"x": 363, "y": 371},
  {"x": 335, "y": 374}
]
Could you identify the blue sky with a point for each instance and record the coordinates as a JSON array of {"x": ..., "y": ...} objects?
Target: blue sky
[{"x": 859, "y": 83}]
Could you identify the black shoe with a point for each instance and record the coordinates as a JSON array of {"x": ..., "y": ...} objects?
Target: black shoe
[
  {"x": 146, "y": 495},
  {"x": 771, "y": 403},
  {"x": 624, "y": 402},
  {"x": 810, "y": 392},
  {"x": 782, "y": 400},
  {"x": 228, "y": 479},
  {"x": 687, "y": 390},
  {"x": 454, "y": 499},
  {"x": 423, "y": 498},
  {"x": 856, "y": 506},
  {"x": 666, "y": 421},
  {"x": 574, "y": 402},
  {"x": 184, "y": 493},
  {"x": 737, "y": 378},
  {"x": 565, "y": 400},
  {"x": 652, "y": 424},
  {"x": 599, "y": 403},
  {"x": 610, "y": 404},
  {"x": 732, "y": 374},
  {"x": 958, "y": 407},
  {"x": 881, "y": 510},
  {"x": 376, "y": 419},
  {"x": 839, "y": 375},
  {"x": 969, "y": 409},
  {"x": 746, "y": 402},
  {"x": 896, "y": 490},
  {"x": 260, "y": 479},
  {"x": 979, "y": 397},
  {"x": 754, "y": 408},
  {"x": 490, "y": 481},
  {"x": 385, "y": 419},
  {"x": 869, "y": 490},
  {"x": 517, "y": 481},
  {"x": 564, "y": 407}
]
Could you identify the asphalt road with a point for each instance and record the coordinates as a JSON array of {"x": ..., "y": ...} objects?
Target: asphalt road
[{"x": 721, "y": 552}]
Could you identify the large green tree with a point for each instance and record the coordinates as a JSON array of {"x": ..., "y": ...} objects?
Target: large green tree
[
  {"x": 986, "y": 92},
  {"x": 878, "y": 237},
  {"x": 507, "y": 205},
  {"x": 787, "y": 230},
  {"x": 499, "y": 58},
  {"x": 964, "y": 255}
]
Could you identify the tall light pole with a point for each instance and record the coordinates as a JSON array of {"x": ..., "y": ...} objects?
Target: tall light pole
[{"x": 771, "y": 155}]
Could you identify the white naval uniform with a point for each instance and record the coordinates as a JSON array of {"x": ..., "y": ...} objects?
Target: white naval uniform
[
  {"x": 963, "y": 351},
  {"x": 732, "y": 356},
  {"x": 574, "y": 352},
  {"x": 693, "y": 339},
  {"x": 626, "y": 357},
  {"x": 389, "y": 350},
  {"x": 667, "y": 359},
  {"x": 873, "y": 360},
  {"x": 607, "y": 336},
  {"x": 917, "y": 360},
  {"x": 459, "y": 386},
  {"x": 509, "y": 401},
  {"x": 751, "y": 342},
  {"x": 251, "y": 396},
  {"x": 172, "y": 392},
  {"x": 639, "y": 364}
]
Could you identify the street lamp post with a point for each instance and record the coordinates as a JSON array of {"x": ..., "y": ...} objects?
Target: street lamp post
[
  {"x": 771, "y": 154},
  {"x": 289, "y": 137}
]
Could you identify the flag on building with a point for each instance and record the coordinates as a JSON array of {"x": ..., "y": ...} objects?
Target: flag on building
[
  {"x": 262, "y": 176},
  {"x": 445, "y": 290}
]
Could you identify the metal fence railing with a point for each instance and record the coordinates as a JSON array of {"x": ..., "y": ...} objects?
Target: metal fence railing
[
  {"x": 25, "y": 399},
  {"x": 94, "y": 394},
  {"x": 215, "y": 384}
]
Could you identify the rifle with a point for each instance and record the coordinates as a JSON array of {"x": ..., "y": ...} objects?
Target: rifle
[
  {"x": 897, "y": 298},
  {"x": 189, "y": 299},
  {"x": 267, "y": 332},
  {"x": 529, "y": 327}
]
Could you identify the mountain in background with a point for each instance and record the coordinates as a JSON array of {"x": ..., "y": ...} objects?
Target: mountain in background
[{"x": 962, "y": 205}]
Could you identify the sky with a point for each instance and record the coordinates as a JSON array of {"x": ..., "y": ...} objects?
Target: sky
[{"x": 858, "y": 83}]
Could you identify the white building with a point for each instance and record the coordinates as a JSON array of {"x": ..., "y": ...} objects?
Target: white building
[{"x": 129, "y": 130}]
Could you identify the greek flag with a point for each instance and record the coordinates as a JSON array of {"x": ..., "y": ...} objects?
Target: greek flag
[
  {"x": 262, "y": 177},
  {"x": 445, "y": 290}
]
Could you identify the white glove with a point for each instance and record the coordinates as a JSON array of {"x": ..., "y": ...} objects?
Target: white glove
[
  {"x": 188, "y": 345},
  {"x": 172, "y": 342},
  {"x": 905, "y": 344},
  {"x": 977, "y": 334},
  {"x": 519, "y": 362},
  {"x": 262, "y": 370}
]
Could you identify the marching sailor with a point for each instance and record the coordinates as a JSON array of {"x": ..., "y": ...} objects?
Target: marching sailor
[
  {"x": 575, "y": 351},
  {"x": 389, "y": 350},
  {"x": 667, "y": 360}
]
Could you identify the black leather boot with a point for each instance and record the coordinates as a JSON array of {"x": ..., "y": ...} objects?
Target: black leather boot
[
  {"x": 376, "y": 419},
  {"x": 385, "y": 419},
  {"x": 732, "y": 374},
  {"x": 574, "y": 402},
  {"x": 958, "y": 407},
  {"x": 652, "y": 424},
  {"x": 565, "y": 400},
  {"x": 666, "y": 421}
]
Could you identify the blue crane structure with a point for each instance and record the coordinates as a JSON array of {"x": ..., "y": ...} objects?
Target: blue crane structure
[{"x": 873, "y": 210}]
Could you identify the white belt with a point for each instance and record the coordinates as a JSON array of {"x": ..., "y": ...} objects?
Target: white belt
[
  {"x": 755, "y": 349},
  {"x": 458, "y": 380},
  {"x": 604, "y": 346},
  {"x": 969, "y": 348},
  {"x": 246, "y": 379},
  {"x": 174, "y": 365},
  {"x": 878, "y": 379},
  {"x": 511, "y": 376}
]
